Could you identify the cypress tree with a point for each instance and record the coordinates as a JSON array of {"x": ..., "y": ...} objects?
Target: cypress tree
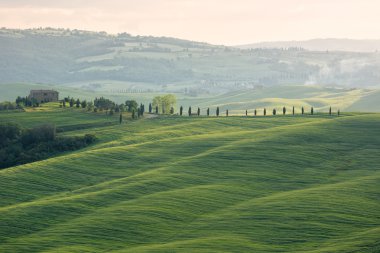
[
  {"x": 171, "y": 110},
  {"x": 265, "y": 111},
  {"x": 330, "y": 111},
  {"x": 78, "y": 103},
  {"x": 338, "y": 112},
  {"x": 255, "y": 112},
  {"x": 303, "y": 111},
  {"x": 312, "y": 110},
  {"x": 133, "y": 113},
  {"x": 274, "y": 112},
  {"x": 294, "y": 111},
  {"x": 84, "y": 104},
  {"x": 157, "y": 109},
  {"x": 246, "y": 113},
  {"x": 189, "y": 110},
  {"x": 180, "y": 110},
  {"x": 121, "y": 118},
  {"x": 208, "y": 112},
  {"x": 227, "y": 113},
  {"x": 150, "y": 107},
  {"x": 217, "y": 111},
  {"x": 284, "y": 110},
  {"x": 199, "y": 112}
]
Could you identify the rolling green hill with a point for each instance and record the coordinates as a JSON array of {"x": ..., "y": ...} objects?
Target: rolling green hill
[{"x": 181, "y": 184}]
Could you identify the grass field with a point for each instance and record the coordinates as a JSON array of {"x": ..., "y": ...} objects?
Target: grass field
[{"x": 180, "y": 184}]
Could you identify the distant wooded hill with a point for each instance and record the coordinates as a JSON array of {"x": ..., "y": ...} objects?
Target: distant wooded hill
[
  {"x": 322, "y": 45},
  {"x": 91, "y": 60}
]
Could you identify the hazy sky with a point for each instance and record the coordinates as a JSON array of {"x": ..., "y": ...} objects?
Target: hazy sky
[{"x": 229, "y": 22}]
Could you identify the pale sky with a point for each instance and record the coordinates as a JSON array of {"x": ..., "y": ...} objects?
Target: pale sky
[{"x": 229, "y": 22}]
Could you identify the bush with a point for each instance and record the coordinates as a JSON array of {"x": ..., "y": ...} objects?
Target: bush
[
  {"x": 23, "y": 146},
  {"x": 8, "y": 133},
  {"x": 89, "y": 138},
  {"x": 6, "y": 106},
  {"x": 38, "y": 134}
]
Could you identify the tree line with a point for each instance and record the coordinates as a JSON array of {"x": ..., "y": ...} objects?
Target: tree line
[
  {"x": 24, "y": 145},
  {"x": 197, "y": 112},
  {"x": 104, "y": 104}
]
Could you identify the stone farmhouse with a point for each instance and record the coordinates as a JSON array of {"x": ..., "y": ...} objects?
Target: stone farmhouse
[{"x": 43, "y": 96}]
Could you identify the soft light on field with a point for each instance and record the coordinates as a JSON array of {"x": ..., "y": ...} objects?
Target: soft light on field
[{"x": 172, "y": 184}]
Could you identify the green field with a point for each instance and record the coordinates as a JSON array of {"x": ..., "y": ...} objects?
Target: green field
[{"x": 181, "y": 184}]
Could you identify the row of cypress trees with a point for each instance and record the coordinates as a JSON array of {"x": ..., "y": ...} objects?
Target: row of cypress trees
[
  {"x": 141, "y": 110},
  {"x": 274, "y": 112}
]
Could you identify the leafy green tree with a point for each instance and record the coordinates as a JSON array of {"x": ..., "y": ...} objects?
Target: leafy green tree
[
  {"x": 217, "y": 111},
  {"x": 157, "y": 102},
  {"x": 103, "y": 103},
  {"x": 172, "y": 110},
  {"x": 189, "y": 110},
  {"x": 122, "y": 108},
  {"x": 64, "y": 103},
  {"x": 90, "y": 106},
  {"x": 131, "y": 105},
  {"x": 72, "y": 101},
  {"x": 133, "y": 114},
  {"x": 164, "y": 102},
  {"x": 77, "y": 103},
  {"x": 111, "y": 112},
  {"x": 180, "y": 110}
]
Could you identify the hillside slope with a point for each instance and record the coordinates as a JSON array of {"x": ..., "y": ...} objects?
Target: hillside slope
[
  {"x": 275, "y": 184},
  {"x": 145, "y": 63},
  {"x": 322, "y": 45}
]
